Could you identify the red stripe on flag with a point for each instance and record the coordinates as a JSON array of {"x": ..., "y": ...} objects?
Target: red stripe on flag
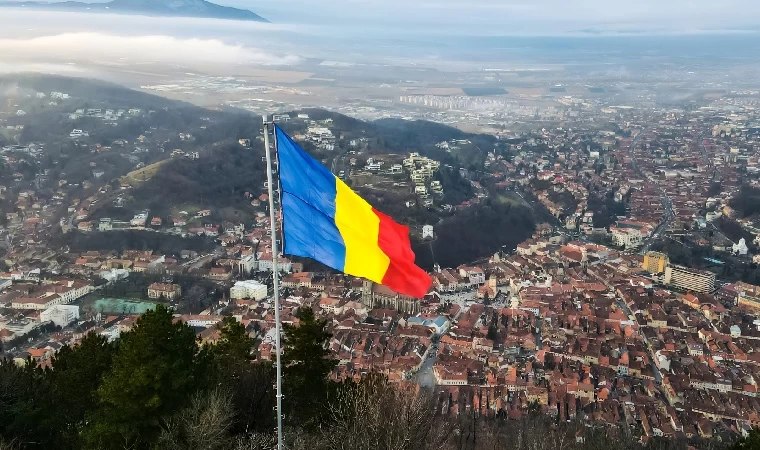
[{"x": 403, "y": 276}]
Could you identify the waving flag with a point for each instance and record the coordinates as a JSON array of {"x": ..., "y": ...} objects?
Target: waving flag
[{"x": 325, "y": 220}]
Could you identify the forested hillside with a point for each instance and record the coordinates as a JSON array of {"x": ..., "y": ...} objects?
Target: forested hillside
[
  {"x": 747, "y": 202},
  {"x": 140, "y": 152},
  {"x": 477, "y": 232}
]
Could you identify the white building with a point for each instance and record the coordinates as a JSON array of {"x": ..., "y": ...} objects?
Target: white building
[
  {"x": 201, "y": 320},
  {"x": 60, "y": 293},
  {"x": 427, "y": 232},
  {"x": 78, "y": 133},
  {"x": 71, "y": 290},
  {"x": 321, "y": 132},
  {"x": 690, "y": 279},
  {"x": 474, "y": 275},
  {"x": 627, "y": 237},
  {"x": 248, "y": 264},
  {"x": 114, "y": 275},
  {"x": 741, "y": 248},
  {"x": 331, "y": 305},
  {"x": 662, "y": 361},
  {"x": 439, "y": 325},
  {"x": 449, "y": 376},
  {"x": 37, "y": 303},
  {"x": 105, "y": 224},
  {"x": 248, "y": 289},
  {"x": 60, "y": 315},
  {"x": 139, "y": 220},
  {"x": 283, "y": 264},
  {"x": 111, "y": 333}
]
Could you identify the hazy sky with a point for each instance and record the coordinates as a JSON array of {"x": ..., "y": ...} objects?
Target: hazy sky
[
  {"x": 509, "y": 17},
  {"x": 503, "y": 17},
  {"x": 372, "y": 31}
]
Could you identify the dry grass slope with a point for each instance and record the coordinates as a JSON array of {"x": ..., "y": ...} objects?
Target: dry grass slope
[{"x": 142, "y": 175}]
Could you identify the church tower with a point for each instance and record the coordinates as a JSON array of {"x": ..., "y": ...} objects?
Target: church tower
[{"x": 367, "y": 294}]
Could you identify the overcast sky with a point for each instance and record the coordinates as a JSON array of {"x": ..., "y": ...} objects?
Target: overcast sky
[
  {"x": 376, "y": 31},
  {"x": 508, "y": 17},
  {"x": 501, "y": 17}
]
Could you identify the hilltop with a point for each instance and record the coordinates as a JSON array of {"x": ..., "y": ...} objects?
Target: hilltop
[
  {"x": 161, "y": 8},
  {"x": 122, "y": 153}
]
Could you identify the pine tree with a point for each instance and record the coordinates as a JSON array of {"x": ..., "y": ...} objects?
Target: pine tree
[
  {"x": 251, "y": 383},
  {"x": 75, "y": 376},
  {"x": 26, "y": 416},
  {"x": 153, "y": 376},
  {"x": 307, "y": 365},
  {"x": 234, "y": 342},
  {"x": 751, "y": 442}
]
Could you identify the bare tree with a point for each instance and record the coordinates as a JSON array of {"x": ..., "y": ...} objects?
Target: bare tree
[
  {"x": 257, "y": 441},
  {"x": 375, "y": 415},
  {"x": 293, "y": 440},
  {"x": 9, "y": 445},
  {"x": 204, "y": 425}
]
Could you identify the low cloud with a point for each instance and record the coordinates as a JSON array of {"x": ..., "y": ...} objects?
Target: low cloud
[{"x": 110, "y": 48}]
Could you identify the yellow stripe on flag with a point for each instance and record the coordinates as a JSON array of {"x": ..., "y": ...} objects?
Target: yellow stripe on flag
[{"x": 359, "y": 226}]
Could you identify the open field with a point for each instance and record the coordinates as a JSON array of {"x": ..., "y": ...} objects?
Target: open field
[
  {"x": 262, "y": 75},
  {"x": 507, "y": 199},
  {"x": 142, "y": 175}
]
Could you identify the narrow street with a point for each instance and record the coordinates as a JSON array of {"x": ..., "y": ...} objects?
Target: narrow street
[
  {"x": 667, "y": 203},
  {"x": 716, "y": 174},
  {"x": 425, "y": 376}
]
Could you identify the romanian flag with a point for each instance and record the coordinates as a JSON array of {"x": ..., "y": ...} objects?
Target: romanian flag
[{"x": 325, "y": 220}]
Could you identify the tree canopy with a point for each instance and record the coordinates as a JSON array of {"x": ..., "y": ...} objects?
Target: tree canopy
[
  {"x": 750, "y": 442},
  {"x": 152, "y": 375},
  {"x": 307, "y": 364}
]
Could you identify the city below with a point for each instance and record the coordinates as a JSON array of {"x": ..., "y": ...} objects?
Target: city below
[{"x": 588, "y": 259}]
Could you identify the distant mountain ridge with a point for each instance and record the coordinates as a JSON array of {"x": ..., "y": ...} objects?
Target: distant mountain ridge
[{"x": 162, "y": 8}]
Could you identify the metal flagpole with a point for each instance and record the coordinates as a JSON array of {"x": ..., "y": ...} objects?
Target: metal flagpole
[
  {"x": 275, "y": 279},
  {"x": 276, "y": 160},
  {"x": 276, "y": 163}
]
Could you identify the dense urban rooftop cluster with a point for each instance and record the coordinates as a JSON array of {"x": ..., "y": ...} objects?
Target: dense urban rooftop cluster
[{"x": 633, "y": 300}]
